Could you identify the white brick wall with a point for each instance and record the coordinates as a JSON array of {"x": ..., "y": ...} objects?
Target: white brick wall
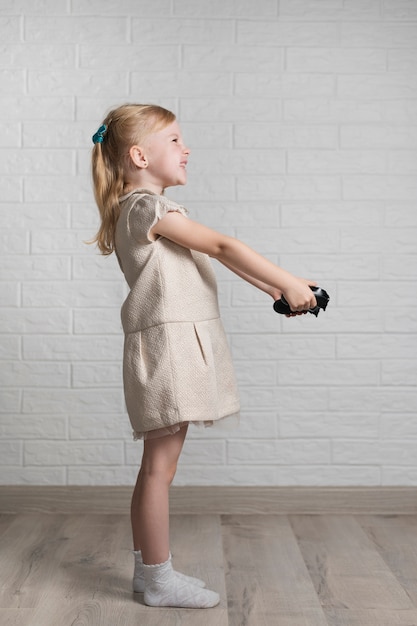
[{"x": 302, "y": 118}]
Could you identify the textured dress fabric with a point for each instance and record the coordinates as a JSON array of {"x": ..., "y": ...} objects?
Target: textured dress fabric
[{"x": 177, "y": 366}]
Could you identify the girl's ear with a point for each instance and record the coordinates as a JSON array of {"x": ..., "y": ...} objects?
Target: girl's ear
[{"x": 138, "y": 157}]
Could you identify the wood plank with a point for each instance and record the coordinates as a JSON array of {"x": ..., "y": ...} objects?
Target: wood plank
[
  {"x": 214, "y": 500},
  {"x": 395, "y": 538},
  {"x": 347, "y": 570},
  {"x": 153, "y": 616},
  {"x": 93, "y": 583},
  {"x": 266, "y": 578},
  {"x": 30, "y": 549},
  {"x": 5, "y": 521},
  {"x": 371, "y": 617},
  {"x": 16, "y": 617}
]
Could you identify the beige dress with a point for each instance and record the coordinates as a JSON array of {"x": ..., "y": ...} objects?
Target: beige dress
[{"x": 177, "y": 366}]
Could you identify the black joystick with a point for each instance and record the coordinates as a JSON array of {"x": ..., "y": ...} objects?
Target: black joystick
[{"x": 322, "y": 298}]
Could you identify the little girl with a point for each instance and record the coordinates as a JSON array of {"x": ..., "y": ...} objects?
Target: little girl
[{"x": 177, "y": 367}]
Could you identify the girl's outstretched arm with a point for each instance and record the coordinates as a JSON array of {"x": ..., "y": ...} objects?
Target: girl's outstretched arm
[
  {"x": 274, "y": 292},
  {"x": 237, "y": 255}
]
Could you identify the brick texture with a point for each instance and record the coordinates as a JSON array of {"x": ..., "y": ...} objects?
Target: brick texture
[{"x": 302, "y": 119}]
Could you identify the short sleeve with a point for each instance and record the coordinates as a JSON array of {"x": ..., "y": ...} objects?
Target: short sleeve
[{"x": 146, "y": 210}]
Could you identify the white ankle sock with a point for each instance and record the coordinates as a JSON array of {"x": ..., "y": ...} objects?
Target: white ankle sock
[
  {"x": 164, "y": 588},
  {"x": 139, "y": 576}
]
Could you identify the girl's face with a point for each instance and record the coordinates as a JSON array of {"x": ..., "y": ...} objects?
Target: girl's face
[{"x": 166, "y": 156}]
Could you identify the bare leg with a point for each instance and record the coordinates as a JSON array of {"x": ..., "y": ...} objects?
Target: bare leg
[
  {"x": 162, "y": 585},
  {"x": 150, "y": 500},
  {"x": 134, "y": 507}
]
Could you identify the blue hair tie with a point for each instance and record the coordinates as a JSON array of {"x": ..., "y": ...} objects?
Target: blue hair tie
[{"x": 99, "y": 135}]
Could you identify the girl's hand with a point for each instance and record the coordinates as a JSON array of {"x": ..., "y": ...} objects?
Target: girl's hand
[{"x": 299, "y": 295}]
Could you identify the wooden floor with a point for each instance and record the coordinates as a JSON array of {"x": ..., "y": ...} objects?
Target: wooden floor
[{"x": 273, "y": 570}]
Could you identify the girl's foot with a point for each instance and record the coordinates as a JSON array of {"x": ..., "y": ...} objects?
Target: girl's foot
[{"x": 163, "y": 587}]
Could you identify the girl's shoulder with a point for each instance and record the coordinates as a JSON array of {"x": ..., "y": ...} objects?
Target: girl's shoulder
[{"x": 140, "y": 211}]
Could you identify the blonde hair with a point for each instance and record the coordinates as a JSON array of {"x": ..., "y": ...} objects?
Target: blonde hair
[{"x": 126, "y": 126}]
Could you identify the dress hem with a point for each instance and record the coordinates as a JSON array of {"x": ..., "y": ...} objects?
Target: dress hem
[{"x": 228, "y": 422}]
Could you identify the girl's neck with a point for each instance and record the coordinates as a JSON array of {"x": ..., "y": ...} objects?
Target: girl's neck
[{"x": 128, "y": 187}]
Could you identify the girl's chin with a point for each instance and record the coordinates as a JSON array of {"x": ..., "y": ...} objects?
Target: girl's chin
[{"x": 179, "y": 181}]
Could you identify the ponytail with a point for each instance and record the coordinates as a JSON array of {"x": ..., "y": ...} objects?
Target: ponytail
[
  {"x": 108, "y": 187},
  {"x": 122, "y": 128}
]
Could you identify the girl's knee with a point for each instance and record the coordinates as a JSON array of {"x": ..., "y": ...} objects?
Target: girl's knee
[{"x": 158, "y": 470}]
